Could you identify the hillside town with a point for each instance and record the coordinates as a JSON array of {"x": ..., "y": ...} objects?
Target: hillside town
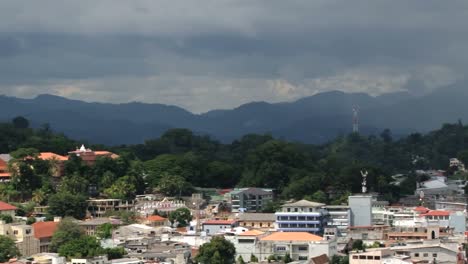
[{"x": 426, "y": 227}]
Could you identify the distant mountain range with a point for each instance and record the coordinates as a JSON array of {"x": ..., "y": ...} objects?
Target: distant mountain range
[{"x": 313, "y": 119}]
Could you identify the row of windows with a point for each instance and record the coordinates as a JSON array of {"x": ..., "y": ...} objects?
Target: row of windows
[
  {"x": 289, "y": 209},
  {"x": 260, "y": 224},
  {"x": 366, "y": 257},
  {"x": 299, "y": 226},
  {"x": 298, "y": 218},
  {"x": 434, "y": 255}
]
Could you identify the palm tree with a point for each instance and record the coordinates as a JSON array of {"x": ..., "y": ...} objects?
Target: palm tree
[{"x": 38, "y": 196}]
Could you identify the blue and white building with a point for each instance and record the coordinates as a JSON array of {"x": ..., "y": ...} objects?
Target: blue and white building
[{"x": 302, "y": 216}]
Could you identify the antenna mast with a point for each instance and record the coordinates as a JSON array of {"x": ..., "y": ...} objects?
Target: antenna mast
[{"x": 355, "y": 120}]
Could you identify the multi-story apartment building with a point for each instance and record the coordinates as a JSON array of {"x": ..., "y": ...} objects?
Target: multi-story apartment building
[
  {"x": 302, "y": 216},
  {"x": 250, "y": 199},
  {"x": 338, "y": 216}
]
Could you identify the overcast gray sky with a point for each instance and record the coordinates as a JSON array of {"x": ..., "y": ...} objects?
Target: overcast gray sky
[{"x": 207, "y": 54}]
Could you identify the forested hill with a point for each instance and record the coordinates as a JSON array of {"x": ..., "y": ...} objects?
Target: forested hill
[
  {"x": 315, "y": 119},
  {"x": 179, "y": 160}
]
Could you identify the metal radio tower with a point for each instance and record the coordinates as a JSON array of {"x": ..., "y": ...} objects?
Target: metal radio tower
[{"x": 355, "y": 120}]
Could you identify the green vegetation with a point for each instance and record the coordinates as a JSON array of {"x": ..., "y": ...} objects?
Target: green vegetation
[
  {"x": 181, "y": 216},
  {"x": 217, "y": 251},
  {"x": 6, "y": 218},
  {"x": 8, "y": 249},
  {"x": 179, "y": 160}
]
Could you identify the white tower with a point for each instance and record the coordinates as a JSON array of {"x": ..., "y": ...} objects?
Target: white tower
[{"x": 364, "y": 181}]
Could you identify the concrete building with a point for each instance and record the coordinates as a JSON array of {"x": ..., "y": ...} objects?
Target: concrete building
[
  {"x": 213, "y": 227},
  {"x": 95, "y": 260},
  {"x": 361, "y": 210},
  {"x": 245, "y": 243},
  {"x": 339, "y": 217},
  {"x": 302, "y": 216},
  {"x": 299, "y": 245},
  {"x": 99, "y": 207},
  {"x": 259, "y": 221},
  {"x": 23, "y": 235},
  {"x": 250, "y": 199},
  {"x": 91, "y": 226}
]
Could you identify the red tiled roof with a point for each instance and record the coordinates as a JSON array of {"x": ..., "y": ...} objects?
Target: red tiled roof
[
  {"x": 219, "y": 222},
  {"x": 437, "y": 213},
  {"x": 292, "y": 236},
  {"x": 156, "y": 218},
  {"x": 6, "y": 207},
  {"x": 44, "y": 229},
  {"x": 51, "y": 156}
]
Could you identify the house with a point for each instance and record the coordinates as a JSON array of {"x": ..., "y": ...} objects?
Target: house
[
  {"x": 322, "y": 259},
  {"x": 302, "y": 216},
  {"x": 260, "y": 221},
  {"x": 5, "y": 175},
  {"x": 49, "y": 258},
  {"x": 43, "y": 231},
  {"x": 23, "y": 235},
  {"x": 213, "y": 227},
  {"x": 7, "y": 209},
  {"x": 156, "y": 221},
  {"x": 299, "y": 245},
  {"x": 57, "y": 162},
  {"x": 250, "y": 199}
]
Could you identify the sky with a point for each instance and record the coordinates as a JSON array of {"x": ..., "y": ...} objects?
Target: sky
[{"x": 218, "y": 54}]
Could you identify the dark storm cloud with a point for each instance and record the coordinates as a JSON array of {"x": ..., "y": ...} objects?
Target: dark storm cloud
[{"x": 202, "y": 50}]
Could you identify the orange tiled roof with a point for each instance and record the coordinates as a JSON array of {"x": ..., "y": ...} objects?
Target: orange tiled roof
[
  {"x": 292, "y": 236},
  {"x": 5, "y": 174},
  {"x": 437, "y": 213},
  {"x": 155, "y": 218},
  {"x": 219, "y": 222},
  {"x": 44, "y": 229},
  {"x": 421, "y": 209},
  {"x": 252, "y": 233},
  {"x": 6, "y": 207},
  {"x": 51, "y": 156}
]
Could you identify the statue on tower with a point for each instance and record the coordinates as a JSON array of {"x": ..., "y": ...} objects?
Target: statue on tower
[{"x": 364, "y": 181}]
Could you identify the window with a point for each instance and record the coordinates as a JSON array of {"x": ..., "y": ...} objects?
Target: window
[
  {"x": 355, "y": 257},
  {"x": 426, "y": 255},
  {"x": 302, "y": 248},
  {"x": 28, "y": 231},
  {"x": 377, "y": 257},
  {"x": 362, "y": 257},
  {"x": 365, "y": 235},
  {"x": 15, "y": 232},
  {"x": 296, "y": 209},
  {"x": 289, "y": 209},
  {"x": 301, "y": 218},
  {"x": 434, "y": 255},
  {"x": 302, "y": 258},
  {"x": 280, "y": 248},
  {"x": 261, "y": 224},
  {"x": 416, "y": 254}
]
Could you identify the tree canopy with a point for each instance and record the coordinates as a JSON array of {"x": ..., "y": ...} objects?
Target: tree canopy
[{"x": 217, "y": 251}]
